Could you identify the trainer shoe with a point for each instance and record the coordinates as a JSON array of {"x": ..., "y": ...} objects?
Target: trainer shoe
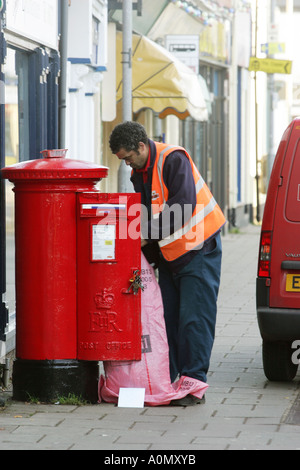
[{"x": 189, "y": 400}]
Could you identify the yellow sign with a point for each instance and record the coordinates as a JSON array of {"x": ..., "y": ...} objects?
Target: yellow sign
[
  {"x": 272, "y": 48},
  {"x": 270, "y": 65}
]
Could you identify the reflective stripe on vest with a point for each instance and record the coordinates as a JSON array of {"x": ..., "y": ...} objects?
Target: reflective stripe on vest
[{"x": 206, "y": 220}]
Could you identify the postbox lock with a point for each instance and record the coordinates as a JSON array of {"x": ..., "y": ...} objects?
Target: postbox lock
[{"x": 136, "y": 283}]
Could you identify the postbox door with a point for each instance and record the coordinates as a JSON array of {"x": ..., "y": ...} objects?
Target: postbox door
[{"x": 108, "y": 266}]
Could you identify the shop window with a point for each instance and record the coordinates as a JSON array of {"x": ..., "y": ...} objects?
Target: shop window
[
  {"x": 96, "y": 24},
  {"x": 12, "y": 145},
  {"x": 11, "y": 110},
  {"x": 30, "y": 126}
]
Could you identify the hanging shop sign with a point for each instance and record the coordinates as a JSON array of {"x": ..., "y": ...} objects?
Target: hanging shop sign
[
  {"x": 34, "y": 19},
  {"x": 186, "y": 48},
  {"x": 270, "y": 66}
]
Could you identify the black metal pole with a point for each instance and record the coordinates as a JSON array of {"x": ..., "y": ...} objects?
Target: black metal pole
[{"x": 3, "y": 309}]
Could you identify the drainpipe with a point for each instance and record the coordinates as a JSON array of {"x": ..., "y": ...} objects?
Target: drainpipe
[
  {"x": 6, "y": 373},
  {"x": 256, "y": 121},
  {"x": 124, "y": 183},
  {"x": 271, "y": 101},
  {"x": 127, "y": 66},
  {"x": 64, "y": 5}
]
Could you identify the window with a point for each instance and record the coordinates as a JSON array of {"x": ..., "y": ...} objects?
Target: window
[
  {"x": 95, "y": 40},
  {"x": 12, "y": 151},
  {"x": 28, "y": 125}
]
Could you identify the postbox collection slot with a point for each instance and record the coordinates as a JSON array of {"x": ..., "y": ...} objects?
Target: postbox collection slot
[{"x": 100, "y": 210}]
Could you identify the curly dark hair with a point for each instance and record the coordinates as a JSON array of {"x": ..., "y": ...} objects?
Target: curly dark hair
[{"x": 127, "y": 135}]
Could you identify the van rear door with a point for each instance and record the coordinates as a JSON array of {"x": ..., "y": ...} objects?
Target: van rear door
[{"x": 285, "y": 256}]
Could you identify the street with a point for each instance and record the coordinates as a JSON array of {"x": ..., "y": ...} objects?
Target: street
[{"x": 242, "y": 411}]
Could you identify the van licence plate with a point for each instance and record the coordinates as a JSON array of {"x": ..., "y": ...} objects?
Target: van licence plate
[{"x": 292, "y": 283}]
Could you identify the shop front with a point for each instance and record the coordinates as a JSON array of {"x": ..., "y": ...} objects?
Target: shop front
[{"x": 30, "y": 66}]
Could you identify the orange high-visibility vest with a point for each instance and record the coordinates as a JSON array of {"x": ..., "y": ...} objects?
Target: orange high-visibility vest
[{"x": 207, "y": 217}]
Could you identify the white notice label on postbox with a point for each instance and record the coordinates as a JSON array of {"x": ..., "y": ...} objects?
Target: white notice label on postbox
[{"x": 104, "y": 242}]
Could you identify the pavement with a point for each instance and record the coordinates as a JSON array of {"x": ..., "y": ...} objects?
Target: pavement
[{"x": 243, "y": 410}]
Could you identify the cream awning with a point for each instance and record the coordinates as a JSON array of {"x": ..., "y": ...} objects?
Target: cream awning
[{"x": 161, "y": 82}]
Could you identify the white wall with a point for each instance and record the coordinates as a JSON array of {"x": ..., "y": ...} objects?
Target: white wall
[{"x": 85, "y": 74}]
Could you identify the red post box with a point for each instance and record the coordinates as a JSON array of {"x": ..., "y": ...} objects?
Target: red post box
[
  {"x": 109, "y": 263},
  {"x": 46, "y": 276}
]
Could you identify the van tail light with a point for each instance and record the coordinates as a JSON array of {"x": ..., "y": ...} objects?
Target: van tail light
[{"x": 265, "y": 255}]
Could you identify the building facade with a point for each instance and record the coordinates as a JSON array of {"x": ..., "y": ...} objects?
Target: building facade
[
  {"x": 214, "y": 39},
  {"x": 61, "y": 87}
]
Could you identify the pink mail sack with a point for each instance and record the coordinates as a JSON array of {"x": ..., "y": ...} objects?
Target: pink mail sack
[{"x": 152, "y": 371}]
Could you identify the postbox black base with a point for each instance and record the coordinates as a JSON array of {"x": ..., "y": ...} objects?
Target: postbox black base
[{"x": 47, "y": 381}]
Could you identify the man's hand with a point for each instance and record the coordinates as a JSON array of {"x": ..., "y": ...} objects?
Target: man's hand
[{"x": 143, "y": 242}]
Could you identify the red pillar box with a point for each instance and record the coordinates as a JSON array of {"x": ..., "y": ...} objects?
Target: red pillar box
[
  {"x": 46, "y": 274},
  {"x": 109, "y": 284}
]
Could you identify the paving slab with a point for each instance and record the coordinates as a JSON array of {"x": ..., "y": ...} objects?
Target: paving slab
[{"x": 243, "y": 410}]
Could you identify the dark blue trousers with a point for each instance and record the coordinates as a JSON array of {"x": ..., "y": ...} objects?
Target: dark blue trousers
[{"x": 190, "y": 309}]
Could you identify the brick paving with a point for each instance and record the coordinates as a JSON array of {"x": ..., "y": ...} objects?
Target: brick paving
[{"x": 242, "y": 411}]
